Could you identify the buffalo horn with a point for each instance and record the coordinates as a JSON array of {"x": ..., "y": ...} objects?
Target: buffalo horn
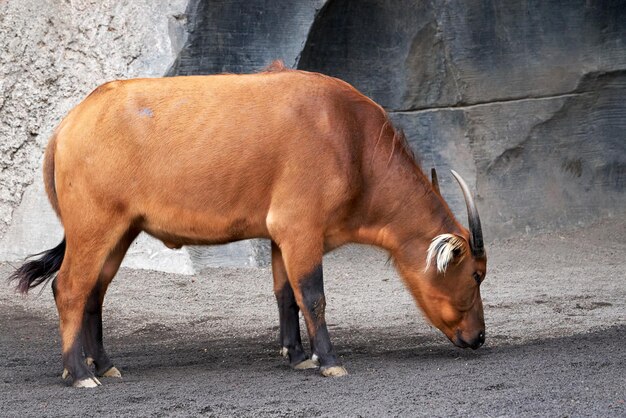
[
  {"x": 476, "y": 233},
  {"x": 433, "y": 174}
]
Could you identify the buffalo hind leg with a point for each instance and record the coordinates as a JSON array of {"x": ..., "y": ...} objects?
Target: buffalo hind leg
[
  {"x": 288, "y": 310},
  {"x": 303, "y": 262},
  {"x": 85, "y": 257},
  {"x": 93, "y": 346}
]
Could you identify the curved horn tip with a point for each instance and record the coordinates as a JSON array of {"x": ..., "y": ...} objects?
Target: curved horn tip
[{"x": 457, "y": 175}]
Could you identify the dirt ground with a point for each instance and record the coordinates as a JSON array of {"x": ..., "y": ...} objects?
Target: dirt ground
[{"x": 555, "y": 309}]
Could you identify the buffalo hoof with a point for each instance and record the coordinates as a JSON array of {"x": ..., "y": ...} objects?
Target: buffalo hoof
[
  {"x": 307, "y": 364},
  {"x": 88, "y": 382},
  {"x": 335, "y": 371},
  {"x": 284, "y": 352},
  {"x": 112, "y": 372}
]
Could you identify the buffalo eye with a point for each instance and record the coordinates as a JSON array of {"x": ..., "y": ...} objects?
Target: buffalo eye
[{"x": 477, "y": 277}]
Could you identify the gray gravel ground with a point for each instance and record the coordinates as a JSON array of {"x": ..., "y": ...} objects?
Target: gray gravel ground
[{"x": 555, "y": 308}]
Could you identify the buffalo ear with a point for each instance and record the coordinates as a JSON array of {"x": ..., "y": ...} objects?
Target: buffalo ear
[
  {"x": 445, "y": 249},
  {"x": 435, "y": 181}
]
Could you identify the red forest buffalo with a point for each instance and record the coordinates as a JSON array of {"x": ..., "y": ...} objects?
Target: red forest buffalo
[{"x": 300, "y": 158}]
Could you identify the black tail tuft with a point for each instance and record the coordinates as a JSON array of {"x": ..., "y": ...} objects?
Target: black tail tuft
[{"x": 35, "y": 272}]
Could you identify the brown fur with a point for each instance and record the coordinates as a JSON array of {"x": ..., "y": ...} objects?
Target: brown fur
[
  {"x": 48, "y": 176},
  {"x": 300, "y": 158}
]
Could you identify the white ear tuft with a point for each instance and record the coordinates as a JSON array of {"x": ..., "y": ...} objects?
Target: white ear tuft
[{"x": 442, "y": 249}]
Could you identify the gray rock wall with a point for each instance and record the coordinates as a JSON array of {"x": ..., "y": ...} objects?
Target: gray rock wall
[
  {"x": 525, "y": 99},
  {"x": 537, "y": 164},
  {"x": 239, "y": 36},
  {"x": 52, "y": 54}
]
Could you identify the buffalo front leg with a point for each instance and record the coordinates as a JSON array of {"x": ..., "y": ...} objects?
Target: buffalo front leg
[
  {"x": 288, "y": 310},
  {"x": 304, "y": 269}
]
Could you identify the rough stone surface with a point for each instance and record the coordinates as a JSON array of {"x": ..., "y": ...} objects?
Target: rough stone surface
[
  {"x": 52, "y": 54},
  {"x": 240, "y": 36},
  {"x": 366, "y": 43},
  {"x": 411, "y": 55},
  {"x": 538, "y": 164}
]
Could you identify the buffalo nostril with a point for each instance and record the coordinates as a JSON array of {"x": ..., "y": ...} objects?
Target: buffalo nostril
[
  {"x": 480, "y": 340},
  {"x": 474, "y": 343}
]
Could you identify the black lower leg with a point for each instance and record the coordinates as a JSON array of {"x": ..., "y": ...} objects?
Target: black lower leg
[
  {"x": 74, "y": 359},
  {"x": 74, "y": 362},
  {"x": 314, "y": 305},
  {"x": 92, "y": 334},
  {"x": 290, "y": 325}
]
